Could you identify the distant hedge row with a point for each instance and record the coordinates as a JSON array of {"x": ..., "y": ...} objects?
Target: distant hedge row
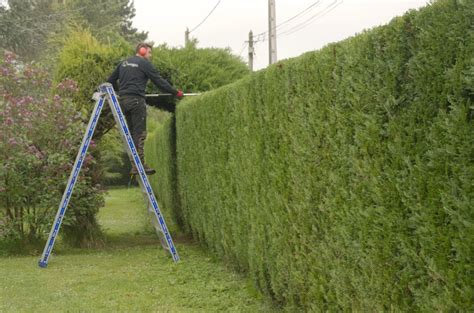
[{"x": 342, "y": 179}]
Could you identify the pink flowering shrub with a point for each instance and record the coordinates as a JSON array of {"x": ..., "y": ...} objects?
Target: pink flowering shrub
[{"x": 41, "y": 133}]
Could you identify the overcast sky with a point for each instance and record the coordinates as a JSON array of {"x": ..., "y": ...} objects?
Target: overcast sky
[{"x": 325, "y": 21}]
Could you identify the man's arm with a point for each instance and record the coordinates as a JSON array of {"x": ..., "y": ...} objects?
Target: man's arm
[
  {"x": 159, "y": 81},
  {"x": 114, "y": 77}
]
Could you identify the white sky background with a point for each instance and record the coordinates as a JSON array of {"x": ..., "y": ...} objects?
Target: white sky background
[{"x": 230, "y": 23}]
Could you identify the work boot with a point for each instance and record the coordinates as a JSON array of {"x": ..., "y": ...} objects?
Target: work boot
[{"x": 139, "y": 145}]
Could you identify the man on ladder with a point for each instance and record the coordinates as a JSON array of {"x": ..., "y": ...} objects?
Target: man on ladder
[{"x": 133, "y": 75}]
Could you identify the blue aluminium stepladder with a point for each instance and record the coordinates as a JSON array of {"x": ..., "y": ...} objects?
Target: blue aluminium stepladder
[{"x": 107, "y": 93}]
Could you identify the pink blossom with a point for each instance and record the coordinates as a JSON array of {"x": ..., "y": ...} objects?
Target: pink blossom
[
  {"x": 9, "y": 57},
  {"x": 5, "y": 71},
  {"x": 92, "y": 144},
  {"x": 88, "y": 159}
]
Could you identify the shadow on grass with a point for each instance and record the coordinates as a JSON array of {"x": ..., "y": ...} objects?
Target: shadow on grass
[
  {"x": 130, "y": 240},
  {"x": 112, "y": 242},
  {"x": 125, "y": 241},
  {"x": 21, "y": 247}
]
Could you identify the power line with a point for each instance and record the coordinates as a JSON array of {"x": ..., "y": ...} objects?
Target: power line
[
  {"x": 262, "y": 36},
  {"x": 243, "y": 48},
  {"x": 313, "y": 18},
  {"x": 293, "y": 17},
  {"x": 218, "y": 2},
  {"x": 320, "y": 14}
]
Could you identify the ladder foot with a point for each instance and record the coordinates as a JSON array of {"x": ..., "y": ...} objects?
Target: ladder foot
[{"x": 42, "y": 264}]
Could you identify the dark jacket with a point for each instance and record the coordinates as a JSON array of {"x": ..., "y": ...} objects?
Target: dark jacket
[{"x": 133, "y": 75}]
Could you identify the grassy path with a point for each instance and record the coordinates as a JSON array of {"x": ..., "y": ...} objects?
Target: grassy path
[{"x": 132, "y": 273}]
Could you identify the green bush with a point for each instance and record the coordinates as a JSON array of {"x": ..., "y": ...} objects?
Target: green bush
[
  {"x": 90, "y": 63},
  {"x": 342, "y": 179},
  {"x": 199, "y": 69},
  {"x": 40, "y": 127}
]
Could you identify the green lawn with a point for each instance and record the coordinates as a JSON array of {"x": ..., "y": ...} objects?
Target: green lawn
[{"x": 132, "y": 273}]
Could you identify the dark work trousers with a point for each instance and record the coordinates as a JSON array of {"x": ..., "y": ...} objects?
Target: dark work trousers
[{"x": 134, "y": 109}]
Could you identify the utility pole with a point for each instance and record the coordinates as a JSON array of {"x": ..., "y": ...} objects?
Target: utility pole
[
  {"x": 251, "y": 51},
  {"x": 272, "y": 32},
  {"x": 186, "y": 37}
]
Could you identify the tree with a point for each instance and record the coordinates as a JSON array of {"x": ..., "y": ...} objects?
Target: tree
[
  {"x": 106, "y": 18},
  {"x": 28, "y": 27},
  {"x": 25, "y": 26}
]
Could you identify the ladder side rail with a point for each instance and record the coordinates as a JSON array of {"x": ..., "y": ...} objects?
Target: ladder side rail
[
  {"x": 71, "y": 182},
  {"x": 119, "y": 118}
]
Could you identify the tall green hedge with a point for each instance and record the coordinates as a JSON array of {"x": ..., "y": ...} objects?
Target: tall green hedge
[
  {"x": 343, "y": 179},
  {"x": 160, "y": 148}
]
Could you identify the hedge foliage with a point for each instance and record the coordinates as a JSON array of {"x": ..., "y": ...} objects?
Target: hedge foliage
[
  {"x": 160, "y": 148},
  {"x": 342, "y": 179},
  {"x": 199, "y": 69},
  {"x": 90, "y": 62}
]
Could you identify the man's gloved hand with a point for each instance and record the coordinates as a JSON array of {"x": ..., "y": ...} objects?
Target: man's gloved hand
[
  {"x": 180, "y": 94},
  {"x": 96, "y": 96}
]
